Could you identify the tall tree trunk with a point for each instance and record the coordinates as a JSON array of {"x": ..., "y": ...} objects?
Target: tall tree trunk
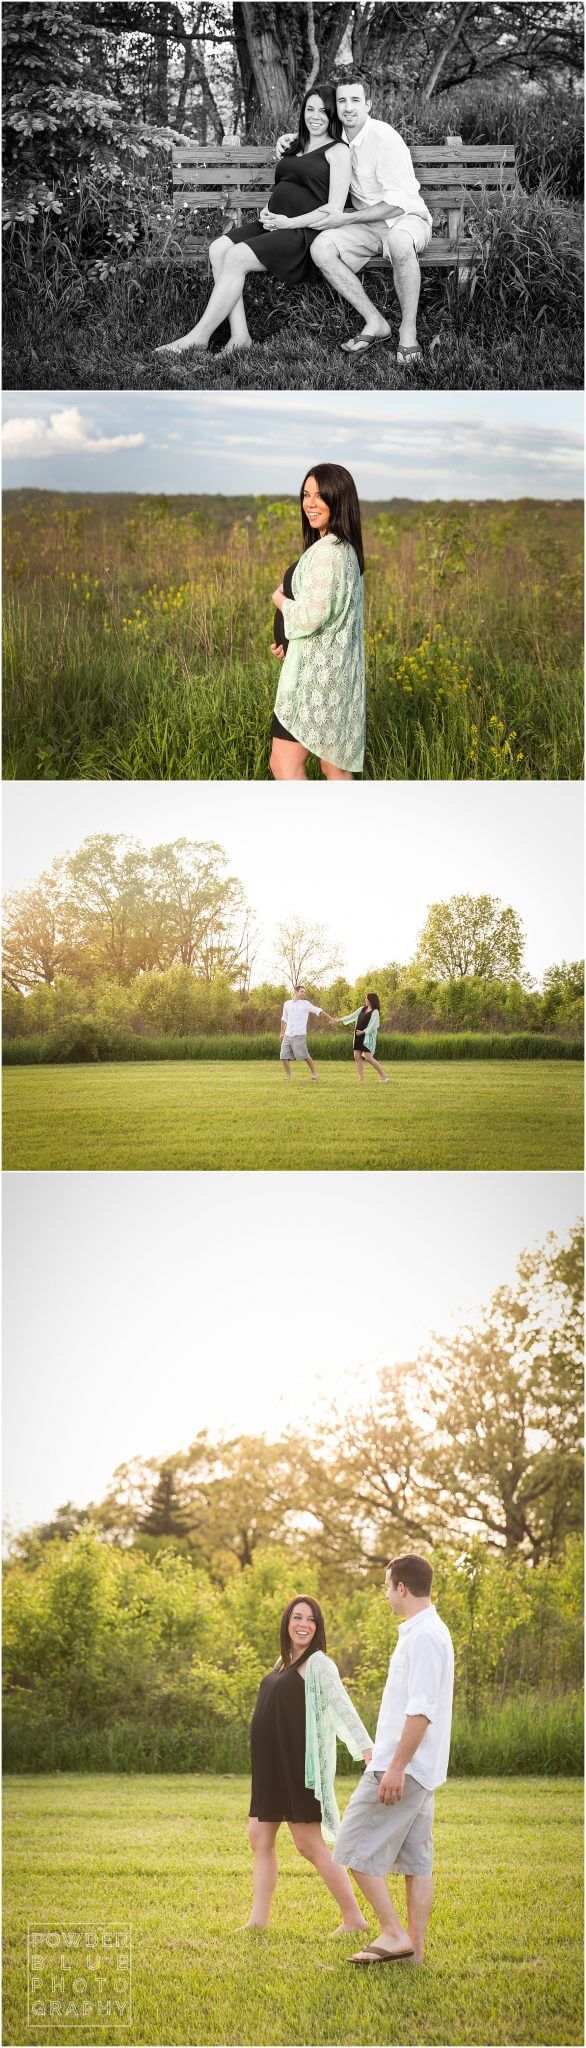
[{"x": 464, "y": 15}]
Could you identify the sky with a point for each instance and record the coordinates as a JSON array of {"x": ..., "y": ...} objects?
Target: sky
[
  {"x": 141, "y": 1308},
  {"x": 402, "y": 444},
  {"x": 364, "y": 861}
]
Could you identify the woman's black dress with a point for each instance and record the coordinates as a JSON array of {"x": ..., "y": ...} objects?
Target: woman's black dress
[
  {"x": 278, "y": 731},
  {"x": 277, "y": 1744},
  {"x": 301, "y": 182},
  {"x": 360, "y": 1028}
]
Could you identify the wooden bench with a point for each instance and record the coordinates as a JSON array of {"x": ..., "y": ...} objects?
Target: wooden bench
[{"x": 236, "y": 179}]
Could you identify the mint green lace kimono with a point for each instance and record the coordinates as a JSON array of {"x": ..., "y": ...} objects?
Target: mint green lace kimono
[
  {"x": 370, "y": 1034},
  {"x": 328, "y": 1712},
  {"x": 321, "y": 693}
]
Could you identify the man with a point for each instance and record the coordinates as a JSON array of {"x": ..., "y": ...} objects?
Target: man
[
  {"x": 388, "y": 1821},
  {"x": 294, "y": 1030},
  {"x": 388, "y": 217}
]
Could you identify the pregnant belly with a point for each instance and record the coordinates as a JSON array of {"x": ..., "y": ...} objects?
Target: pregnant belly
[{"x": 291, "y": 199}]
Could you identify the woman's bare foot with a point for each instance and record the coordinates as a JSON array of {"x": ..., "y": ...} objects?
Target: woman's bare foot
[
  {"x": 232, "y": 346},
  {"x": 177, "y": 348},
  {"x": 350, "y": 1927},
  {"x": 257, "y": 1926}
]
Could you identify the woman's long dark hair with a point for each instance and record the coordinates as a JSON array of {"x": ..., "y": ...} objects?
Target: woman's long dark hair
[
  {"x": 318, "y": 1641},
  {"x": 337, "y": 488},
  {"x": 327, "y": 94},
  {"x": 373, "y": 1000}
]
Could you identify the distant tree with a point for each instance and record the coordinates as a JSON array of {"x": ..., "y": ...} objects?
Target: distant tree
[
  {"x": 166, "y": 1513},
  {"x": 471, "y": 935},
  {"x": 305, "y": 952},
  {"x": 507, "y": 1398},
  {"x": 35, "y": 932}
]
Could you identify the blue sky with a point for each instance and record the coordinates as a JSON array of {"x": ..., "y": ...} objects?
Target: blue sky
[{"x": 397, "y": 444}]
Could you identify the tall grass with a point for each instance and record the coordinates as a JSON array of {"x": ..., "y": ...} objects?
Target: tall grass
[
  {"x": 91, "y": 1042},
  {"x": 528, "y": 1736},
  {"x": 137, "y": 638}
]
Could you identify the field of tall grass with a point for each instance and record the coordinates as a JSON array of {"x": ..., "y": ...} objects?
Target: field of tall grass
[{"x": 137, "y": 636}]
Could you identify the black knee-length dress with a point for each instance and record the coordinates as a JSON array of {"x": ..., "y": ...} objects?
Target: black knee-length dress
[
  {"x": 277, "y": 1744},
  {"x": 301, "y": 182}
]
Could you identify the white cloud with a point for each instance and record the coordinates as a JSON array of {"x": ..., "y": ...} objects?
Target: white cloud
[{"x": 63, "y": 433}]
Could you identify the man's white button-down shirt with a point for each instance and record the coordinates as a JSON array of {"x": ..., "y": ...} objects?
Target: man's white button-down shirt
[
  {"x": 295, "y": 1015},
  {"x": 420, "y": 1681},
  {"x": 381, "y": 168}
]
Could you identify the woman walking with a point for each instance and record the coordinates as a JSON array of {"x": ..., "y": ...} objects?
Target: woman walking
[
  {"x": 320, "y": 701},
  {"x": 312, "y": 181},
  {"x": 366, "y": 1022},
  {"x": 301, "y": 1707}
]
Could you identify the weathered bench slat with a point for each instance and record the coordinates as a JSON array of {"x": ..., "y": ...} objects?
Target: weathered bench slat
[
  {"x": 441, "y": 251},
  {"x": 240, "y": 196},
  {"x": 428, "y": 153},
  {"x": 466, "y": 174}
]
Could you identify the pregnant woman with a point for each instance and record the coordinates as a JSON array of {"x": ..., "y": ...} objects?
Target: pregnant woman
[
  {"x": 312, "y": 180},
  {"x": 366, "y": 1023},
  {"x": 320, "y": 707},
  {"x": 301, "y": 1707}
]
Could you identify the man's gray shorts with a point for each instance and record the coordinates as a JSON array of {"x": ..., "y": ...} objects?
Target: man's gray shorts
[
  {"x": 293, "y": 1048},
  {"x": 377, "y": 1838}
]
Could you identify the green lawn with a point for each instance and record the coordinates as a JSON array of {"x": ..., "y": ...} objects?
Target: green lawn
[
  {"x": 197, "y": 1114},
  {"x": 504, "y": 1955}
]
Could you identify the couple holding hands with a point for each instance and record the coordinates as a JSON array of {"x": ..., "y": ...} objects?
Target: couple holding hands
[
  {"x": 302, "y": 1707},
  {"x": 345, "y": 190}
]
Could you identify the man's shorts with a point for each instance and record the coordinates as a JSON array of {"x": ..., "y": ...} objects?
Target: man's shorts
[
  {"x": 293, "y": 1048},
  {"x": 379, "y": 238},
  {"x": 377, "y": 1838}
]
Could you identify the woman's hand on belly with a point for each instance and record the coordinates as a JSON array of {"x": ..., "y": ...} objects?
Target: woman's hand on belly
[
  {"x": 277, "y": 597},
  {"x": 279, "y": 651}
]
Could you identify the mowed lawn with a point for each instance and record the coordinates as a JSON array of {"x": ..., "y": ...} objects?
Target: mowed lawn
[
  {"x": 504, "y": 1955},
  {"x": 242, "y": 1114}
]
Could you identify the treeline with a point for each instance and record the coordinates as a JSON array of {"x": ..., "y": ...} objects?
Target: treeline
[
  {"x": 162, "y": 942},
  {"x": 121, "y": 1660},
  {"x": 176, "y": 1004},
  {"x": 479, "y": 1437}
]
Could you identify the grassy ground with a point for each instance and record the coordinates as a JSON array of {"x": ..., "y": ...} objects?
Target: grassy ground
[
  {"x": 485, "y": 1115},
  {"x": 103, "y": 335},
  {"x": 137, "y": 636},
  {"x": 504, "y": 1955}
]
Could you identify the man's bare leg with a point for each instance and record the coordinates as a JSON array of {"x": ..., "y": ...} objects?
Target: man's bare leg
[
  {"x": 392, "y": 1933},
  {"x": 286, "y": 1065},
  {"x": 312, "y": 1069},
  {"x": 407, "y": 283},
  {"x": 419, "y": 1903},
  {"x": 325, "y": 255}
]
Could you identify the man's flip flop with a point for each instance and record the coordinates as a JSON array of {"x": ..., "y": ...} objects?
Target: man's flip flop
[
  {"x": 375, "y": 1953},
  {"x": 362, "y": 343},
  {"x": 409, "y": 358}
]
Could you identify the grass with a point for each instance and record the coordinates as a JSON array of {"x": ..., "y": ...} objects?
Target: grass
[
  {"x": 504, "y": 1955},
  {"x": 508, "y": 334},
  {"x": 87, "y": 1040},
  {"x": 137, "y": 637},
  {"x": 183, "y": 1115}
]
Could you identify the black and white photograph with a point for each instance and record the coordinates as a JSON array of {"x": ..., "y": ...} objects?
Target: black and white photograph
[{"x": 294, "y": 196}]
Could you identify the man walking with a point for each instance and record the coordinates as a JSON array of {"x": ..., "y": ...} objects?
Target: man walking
[
  {"x": 388, "y": 1821},
  {"x": 389, "y": 217},
  {"x": 294, "y": 1030}
]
